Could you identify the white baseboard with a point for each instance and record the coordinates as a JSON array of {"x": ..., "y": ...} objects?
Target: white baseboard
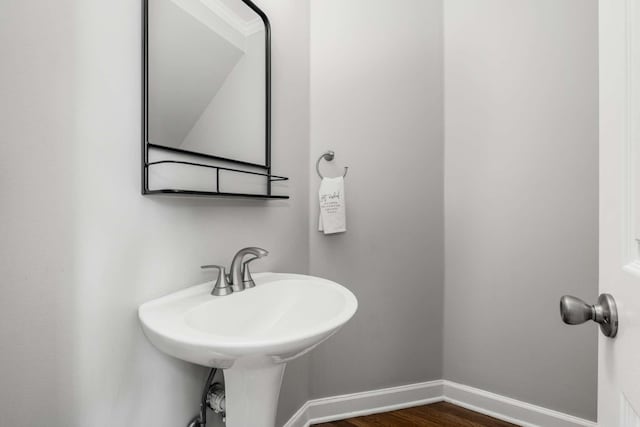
[
  {"x": 366, "y": 403},
  {"x": 390, "y": 399},
  {"x": 508, "y": 409}
]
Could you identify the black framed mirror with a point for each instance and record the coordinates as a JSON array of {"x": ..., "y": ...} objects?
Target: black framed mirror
[{"x": 206, "y": 98}]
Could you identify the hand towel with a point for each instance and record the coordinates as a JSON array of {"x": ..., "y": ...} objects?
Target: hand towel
[{"x": 332, "y": 217}]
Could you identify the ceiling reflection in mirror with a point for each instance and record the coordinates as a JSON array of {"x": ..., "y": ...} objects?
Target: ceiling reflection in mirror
[{"x": 207, "y": 78}]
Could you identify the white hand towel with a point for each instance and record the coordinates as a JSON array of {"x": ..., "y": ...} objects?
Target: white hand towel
[{"x": 332, "y": 206}]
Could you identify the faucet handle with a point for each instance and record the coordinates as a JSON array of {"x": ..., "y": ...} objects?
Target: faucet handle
[
  {"x": 222, "y": 286},
  {"x": 247, "y": 280}
]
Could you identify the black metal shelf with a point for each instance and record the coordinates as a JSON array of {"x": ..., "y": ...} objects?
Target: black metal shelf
[
  {"x": 216, "y": 194},
  {"x": 204, "y": 155},
  {"x": 271, "y": 178}
]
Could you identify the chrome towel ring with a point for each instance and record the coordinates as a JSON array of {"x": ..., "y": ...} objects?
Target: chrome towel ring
[{"x": 328, "y": 156}]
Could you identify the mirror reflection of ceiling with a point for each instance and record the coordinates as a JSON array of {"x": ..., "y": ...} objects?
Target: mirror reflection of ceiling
[
  {"x": 194, "y": 48},
  {"x": 232, "y": 19}
]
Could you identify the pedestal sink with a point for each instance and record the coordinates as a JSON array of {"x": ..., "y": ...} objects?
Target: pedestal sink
[{"x": 250, "y": 334}]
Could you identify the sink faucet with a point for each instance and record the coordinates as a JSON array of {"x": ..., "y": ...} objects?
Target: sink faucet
[{"x": 239, "y": 278}]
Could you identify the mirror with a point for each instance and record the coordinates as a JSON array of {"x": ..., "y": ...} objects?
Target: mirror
[{"x": 207, "y": 79}]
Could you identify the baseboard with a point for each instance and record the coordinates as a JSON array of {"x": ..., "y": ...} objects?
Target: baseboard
[
  {"x": 508, "y": 409},
  {"x": 390, "y": 399},
  {"x": 366, "y": 403}
]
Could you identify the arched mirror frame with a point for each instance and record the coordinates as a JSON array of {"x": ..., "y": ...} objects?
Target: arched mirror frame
[{"x": 228, "y": 165}]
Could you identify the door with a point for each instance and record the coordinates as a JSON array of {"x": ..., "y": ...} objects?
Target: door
[{"x": 619, "y": 358}]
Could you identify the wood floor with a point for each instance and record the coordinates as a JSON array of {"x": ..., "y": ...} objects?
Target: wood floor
[{"x": 434, "y": 415}]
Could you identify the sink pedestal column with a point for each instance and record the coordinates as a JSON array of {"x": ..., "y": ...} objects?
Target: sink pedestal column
[{"x": 252, "y": 393}]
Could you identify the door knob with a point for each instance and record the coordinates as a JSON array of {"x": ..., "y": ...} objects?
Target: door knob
[{"x": 574, "y": 311}]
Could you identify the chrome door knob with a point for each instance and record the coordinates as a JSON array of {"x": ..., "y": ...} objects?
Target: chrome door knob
[{"x": 574, "y": 311}]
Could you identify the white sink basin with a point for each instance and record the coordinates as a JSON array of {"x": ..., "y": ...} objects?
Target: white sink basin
[
  {"x": 282, "y": 317},
  {"x": 250, "y": 334}
]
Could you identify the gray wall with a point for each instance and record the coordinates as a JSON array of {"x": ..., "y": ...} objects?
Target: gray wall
[
  {"x": 521, "y": 197},
  {"x": 376, "y": 99},
  {"x": 82, "y": 248}
]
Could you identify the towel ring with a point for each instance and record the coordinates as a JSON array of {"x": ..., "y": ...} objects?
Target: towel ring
[{"x": 328, "y": 156}]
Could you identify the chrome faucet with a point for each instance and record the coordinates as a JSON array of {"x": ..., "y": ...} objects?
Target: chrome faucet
[{"x": 239, "y": 278}]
